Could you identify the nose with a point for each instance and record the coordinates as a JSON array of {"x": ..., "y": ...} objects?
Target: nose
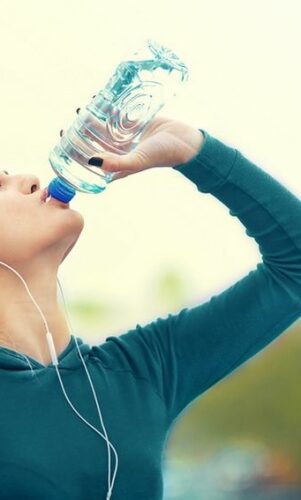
[
  {"x": 26, "y": 183},
  {"x": 32, "y": 184}
]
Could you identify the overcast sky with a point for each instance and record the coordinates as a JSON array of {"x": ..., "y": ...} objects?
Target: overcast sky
[{"x": 244, "y": 88}]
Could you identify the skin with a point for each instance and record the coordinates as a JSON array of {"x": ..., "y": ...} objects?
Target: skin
[
  {"x": 36, "y": 237},
  {"x": 35, "y": 249}
]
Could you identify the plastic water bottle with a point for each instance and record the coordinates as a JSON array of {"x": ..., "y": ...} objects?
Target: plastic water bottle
[{"x": 115, "y": 119}]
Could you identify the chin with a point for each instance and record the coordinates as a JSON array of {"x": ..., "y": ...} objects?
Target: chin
[
  {"x": 73, "y": 223},
  {"x": 78, "y": 215},
  {"x": 76, "y": 235}
]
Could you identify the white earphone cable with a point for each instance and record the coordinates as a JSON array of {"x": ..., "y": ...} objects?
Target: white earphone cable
[
  {"x": 55, "y": 362},
  {"x": 96, "y": 401}
]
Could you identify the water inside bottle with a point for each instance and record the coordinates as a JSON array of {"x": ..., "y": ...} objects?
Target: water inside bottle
[{"x": 115, "y": 119}]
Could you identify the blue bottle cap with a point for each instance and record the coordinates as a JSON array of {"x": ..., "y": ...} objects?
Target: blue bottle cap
[{"x": 60, "y": 190}]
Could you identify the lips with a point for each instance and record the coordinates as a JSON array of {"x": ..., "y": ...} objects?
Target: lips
[{"x": 44, "y": 194}]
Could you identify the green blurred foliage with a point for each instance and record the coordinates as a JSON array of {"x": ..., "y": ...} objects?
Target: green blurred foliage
[
  {"x": 88, "y": 312},
  {"x": 259, "y": 402},
  {"x": 169, "y": 289}
]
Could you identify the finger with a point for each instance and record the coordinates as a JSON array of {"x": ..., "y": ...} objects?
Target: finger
[
  {"x": 120, "y": 175},
  {"x": 112, "y": 162}
]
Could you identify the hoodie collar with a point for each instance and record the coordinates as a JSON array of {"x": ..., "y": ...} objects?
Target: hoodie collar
[{"x": 68, "y": 358}]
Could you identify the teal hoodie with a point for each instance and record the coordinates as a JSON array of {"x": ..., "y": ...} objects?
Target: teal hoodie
[{"x": 145, "y": 377}]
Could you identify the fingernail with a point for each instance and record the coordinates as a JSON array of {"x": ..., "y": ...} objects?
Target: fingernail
[
  {"x": 97, "y": 162},
  {"x": 93, "y": 96},
  {"x": 61, "y": 132},
  {"x": 77, "y": 110}
]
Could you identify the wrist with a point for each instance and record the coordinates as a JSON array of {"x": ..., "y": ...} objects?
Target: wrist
[{"x": 193, "y": 144}]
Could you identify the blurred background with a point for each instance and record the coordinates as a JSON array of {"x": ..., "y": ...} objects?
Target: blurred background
[{"x": 152, "y": 244}]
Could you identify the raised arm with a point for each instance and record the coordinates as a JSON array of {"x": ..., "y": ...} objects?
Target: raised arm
[{"x": 183, "y": 354}]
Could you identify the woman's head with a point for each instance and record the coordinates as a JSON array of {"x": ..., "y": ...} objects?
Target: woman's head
[
  {"x": 31, "y": 229},
  {"x": 35, "y": 237}
]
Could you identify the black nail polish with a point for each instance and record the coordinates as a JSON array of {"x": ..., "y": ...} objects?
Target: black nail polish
[
  {"x": 97, "y": 162},
  {"x": 93, "y": 96},
  {"x": 78, "y": 109},
  {"x": 61, "y": 132}
]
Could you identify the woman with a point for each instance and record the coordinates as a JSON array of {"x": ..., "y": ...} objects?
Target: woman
[{"x": 147, "y": 376}]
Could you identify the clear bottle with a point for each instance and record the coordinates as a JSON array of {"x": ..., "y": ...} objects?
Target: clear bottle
[{"x": 115, "y": 119}]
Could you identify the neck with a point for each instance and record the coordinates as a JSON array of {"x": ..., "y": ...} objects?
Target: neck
[{"x": 22, "y": 327}]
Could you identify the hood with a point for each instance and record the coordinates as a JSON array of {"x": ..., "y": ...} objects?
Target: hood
[{"x": 68, "y": 358}]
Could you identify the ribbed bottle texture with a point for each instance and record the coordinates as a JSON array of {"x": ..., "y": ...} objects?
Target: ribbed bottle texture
[{"x": 115, "y": 119}]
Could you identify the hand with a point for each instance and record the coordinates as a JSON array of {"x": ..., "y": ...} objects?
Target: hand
[{"x": 165, "y": 142}]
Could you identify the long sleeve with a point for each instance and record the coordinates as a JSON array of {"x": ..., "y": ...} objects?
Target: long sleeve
[{"x": 185, "y": 353}]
